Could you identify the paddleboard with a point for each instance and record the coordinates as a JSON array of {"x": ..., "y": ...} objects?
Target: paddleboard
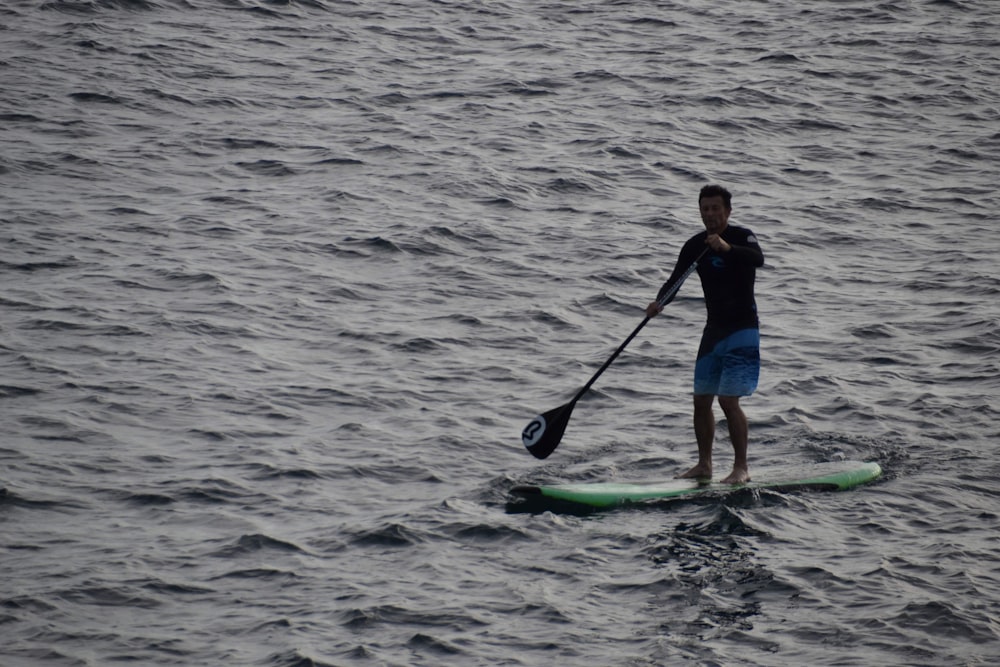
[{"x": 829, "y": 476}]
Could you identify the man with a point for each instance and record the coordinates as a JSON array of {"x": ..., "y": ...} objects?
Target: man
[{"x": 728, "y": 362}]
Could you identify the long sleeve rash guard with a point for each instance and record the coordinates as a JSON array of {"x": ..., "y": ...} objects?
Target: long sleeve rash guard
[{"x": 727, "y": 278}]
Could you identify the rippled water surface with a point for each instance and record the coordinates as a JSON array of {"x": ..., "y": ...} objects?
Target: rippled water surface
[{"x": 285, "y": 280}]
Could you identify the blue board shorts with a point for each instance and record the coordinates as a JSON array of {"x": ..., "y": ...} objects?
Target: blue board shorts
[{"x": 728, "y": 362}]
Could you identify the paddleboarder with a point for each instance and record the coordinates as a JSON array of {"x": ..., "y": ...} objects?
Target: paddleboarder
[{"x": 728, "y": 363}]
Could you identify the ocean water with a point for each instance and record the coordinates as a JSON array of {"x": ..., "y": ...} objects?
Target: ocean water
[{"x": 283, "y": 282}]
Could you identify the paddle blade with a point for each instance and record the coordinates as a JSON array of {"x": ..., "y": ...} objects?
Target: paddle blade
[{"x": 542, "y": 434}]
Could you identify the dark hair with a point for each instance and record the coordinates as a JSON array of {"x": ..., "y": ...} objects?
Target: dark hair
[{"x": 717, "y": 191}]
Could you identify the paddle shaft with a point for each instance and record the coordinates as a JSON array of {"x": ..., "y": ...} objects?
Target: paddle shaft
[
  {"x": 662, "y": 301},
  {"x": 542, "y": 434}
]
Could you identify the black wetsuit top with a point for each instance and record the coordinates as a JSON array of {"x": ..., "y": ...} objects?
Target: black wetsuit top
[{"x": 727, "y": 278}]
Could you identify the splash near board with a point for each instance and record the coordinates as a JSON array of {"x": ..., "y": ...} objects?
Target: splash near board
[{"x": 830, "y": 476}]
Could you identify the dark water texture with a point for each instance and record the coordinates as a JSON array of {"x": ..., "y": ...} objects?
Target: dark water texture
[{"x": 283, "y": 281}]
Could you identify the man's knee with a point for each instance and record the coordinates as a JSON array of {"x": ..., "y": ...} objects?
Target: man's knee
[
  {"x": 729, "y": 404},
  {"x": 703, "y": 401}
]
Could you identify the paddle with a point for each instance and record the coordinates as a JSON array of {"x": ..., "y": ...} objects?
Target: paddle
[{"x": 542, "y": 434}]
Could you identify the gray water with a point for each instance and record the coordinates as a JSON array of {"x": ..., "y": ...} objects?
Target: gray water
[{"x": 283, "y": 282}]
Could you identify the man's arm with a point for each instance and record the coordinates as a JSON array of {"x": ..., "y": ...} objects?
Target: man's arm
[
  {"x": 746, "y": 250},
  {"x": 688, "y": 255}
]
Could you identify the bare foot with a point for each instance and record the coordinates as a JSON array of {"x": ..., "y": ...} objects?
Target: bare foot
[
  {"x": 737, "y": 476},
  {"x": 698, "y": 472}
]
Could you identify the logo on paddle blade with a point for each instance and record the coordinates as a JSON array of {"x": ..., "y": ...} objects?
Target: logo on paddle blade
[{"x": 533, "y": 432}]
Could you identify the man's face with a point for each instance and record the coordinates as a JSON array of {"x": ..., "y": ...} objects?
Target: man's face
[{"x": 714, "y": 214}]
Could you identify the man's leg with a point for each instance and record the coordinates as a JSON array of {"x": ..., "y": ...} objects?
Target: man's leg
[
  {"x": 704, "y": 432},
  {"x": 739, "y": 434}
]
